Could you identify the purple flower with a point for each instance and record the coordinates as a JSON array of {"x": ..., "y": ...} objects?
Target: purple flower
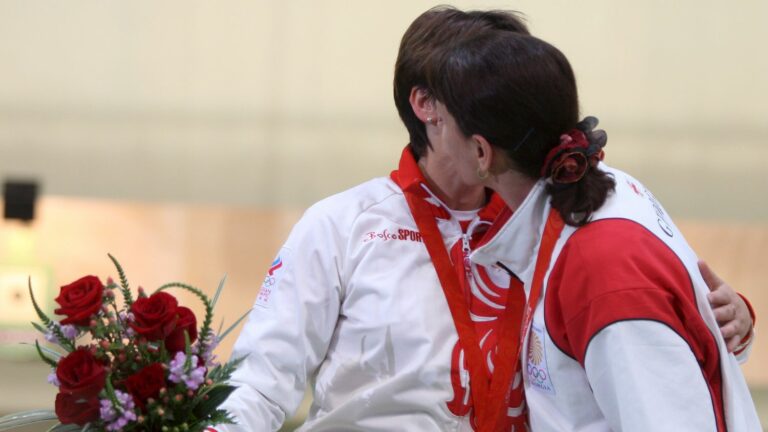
[
  {"x": 107, "y": 411},
  {"x": 207, "y": 355},
  {"x": 69, "y": 331},
  {"x": 53, "y": 379},
  {"x": 193, "y": 377},
  {"x": 126, "y": 316},
  {"x": 117, "y": 417},
  {"x": 51, "y": 337}
]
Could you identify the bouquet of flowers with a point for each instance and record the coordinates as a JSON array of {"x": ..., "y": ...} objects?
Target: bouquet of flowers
[{"x": 138, "y": 365}]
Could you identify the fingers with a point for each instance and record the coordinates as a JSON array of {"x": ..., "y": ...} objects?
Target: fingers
[
  {"x": 732, "y": 343},
  {"x": 726, "y": 305},
  {"x": 725, "y": 314},
  {"x": 730, "y": 330},
  {"x": 720, "y": 298},
  {"x": 713, "y": 281}
]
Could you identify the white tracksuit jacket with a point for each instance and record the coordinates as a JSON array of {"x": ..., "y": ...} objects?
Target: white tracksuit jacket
[
  {"x": 623, "y": 338},
  {"x": 353, "y": 303}
]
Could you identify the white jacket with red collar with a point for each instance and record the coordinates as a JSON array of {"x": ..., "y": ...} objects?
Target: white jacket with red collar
[
  {"x": 623, "y": 338},
  {"x": 352, "y": 302}
]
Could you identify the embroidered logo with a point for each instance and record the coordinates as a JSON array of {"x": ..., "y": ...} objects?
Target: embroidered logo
[
  {"x": 386, "y": 235},
  {"x": 276, "y": 264},
  {"x": 635, "y": 188},
  {"x": 271, "y": 279},
  {"x": 538, "y": 372}
]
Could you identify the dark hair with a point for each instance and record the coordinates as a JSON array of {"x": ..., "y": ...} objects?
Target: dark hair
[
  {"x": 519, "y": 93},
  {"x": 435, "y": 29}
]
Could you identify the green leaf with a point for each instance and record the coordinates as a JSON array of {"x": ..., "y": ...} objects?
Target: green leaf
[
  {"x": 221, "y": 325},
  {"x": 55, "y": 354},
  {"x": 124, "y": 287},
  {"x": 42, "y": 356},
  {"x": 187, "y": 352},
  {"x": 205, "y": 330},
  {"x": 43, "y": 317},
  {"x": 50, "y": 324},
  {"x": 13, "y": 421},
  {"x": 217, "y": 394},
  {"x": 111, "y": 391},
  {"x": 223, "y": 372},
  {"x": 218, "y": 291},
  {"x": 232, "y": 327},
  {"x": 217, "y": 417},
  {"x": 39, "y": 328}
]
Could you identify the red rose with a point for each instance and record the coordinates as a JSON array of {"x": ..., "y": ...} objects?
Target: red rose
[
  {"x": 187, "y": 321},
  {"x": 155, "y": 316},
  {"x": 81, "y": 374},
  {"x": 71, "y": 409},
  {"x": 146, "y": 383},
  {"x": 79, "y": 300}
]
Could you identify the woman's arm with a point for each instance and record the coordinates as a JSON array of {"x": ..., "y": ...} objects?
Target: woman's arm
[
  {"x": 289, "y": 328},
  {"x": 646, "y": 378}
]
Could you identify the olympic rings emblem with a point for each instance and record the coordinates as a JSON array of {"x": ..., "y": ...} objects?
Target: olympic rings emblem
[{"x": 540, "y": 375}]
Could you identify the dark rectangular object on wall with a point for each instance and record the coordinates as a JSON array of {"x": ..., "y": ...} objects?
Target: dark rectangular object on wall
[{"x": 19, "y": 198}]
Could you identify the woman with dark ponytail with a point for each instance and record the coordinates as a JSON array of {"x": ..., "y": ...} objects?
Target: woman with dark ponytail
[{"x": 617, "y": 334}]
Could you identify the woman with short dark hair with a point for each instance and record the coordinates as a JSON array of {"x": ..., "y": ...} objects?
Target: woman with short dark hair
[{"x": 617, "y": 332}]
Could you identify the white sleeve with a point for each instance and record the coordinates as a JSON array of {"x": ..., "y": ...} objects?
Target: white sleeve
[
  {"x": 646, "y": 378},
  {"x": 288, "y": 331}
]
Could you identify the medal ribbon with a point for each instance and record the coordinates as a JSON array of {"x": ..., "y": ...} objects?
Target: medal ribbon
[
  {"x": 490, "y": 393},
  {"x": 514, "y": 332}
]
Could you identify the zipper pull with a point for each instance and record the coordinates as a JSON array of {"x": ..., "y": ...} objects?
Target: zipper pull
[{"x": 465, "y": 254}]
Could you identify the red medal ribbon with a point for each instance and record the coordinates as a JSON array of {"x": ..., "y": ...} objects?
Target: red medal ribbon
[
  {"x": 433, "y": 240},
  {"x": 490, "y": 393},
  {"x": 511, "y": 346}
]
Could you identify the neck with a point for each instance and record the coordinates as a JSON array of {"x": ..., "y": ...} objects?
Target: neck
[
  {"x": 513, "y": 187},
  {"x": 448, "y": 187}
]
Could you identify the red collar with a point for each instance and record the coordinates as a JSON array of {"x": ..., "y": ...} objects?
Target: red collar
[{"x": 409, "y": 177}]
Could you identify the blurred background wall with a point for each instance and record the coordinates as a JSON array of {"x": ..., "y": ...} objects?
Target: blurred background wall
[{"x": 187, "y": 136}]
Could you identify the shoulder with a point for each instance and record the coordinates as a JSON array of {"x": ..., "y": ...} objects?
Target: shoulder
[
  {"x": 355, "y": 200},
  {"x": 335, "y": 214},
  {"x": 613, "y": 270},
  {"x": 616, "y": 256},
  {"x": 614, "y": 239}
]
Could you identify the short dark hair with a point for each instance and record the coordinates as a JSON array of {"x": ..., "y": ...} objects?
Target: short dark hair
[
  {"x": 519, "y": 93},
  {"x": 434, "y": 29}
]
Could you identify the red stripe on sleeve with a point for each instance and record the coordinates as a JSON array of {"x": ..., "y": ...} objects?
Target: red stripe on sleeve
[{"x": 616, "y": 270}]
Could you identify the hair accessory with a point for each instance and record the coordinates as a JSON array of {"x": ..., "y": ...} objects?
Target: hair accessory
[
  {"x": 481, "y": 174},
  {"x": 568, "y": 162}
]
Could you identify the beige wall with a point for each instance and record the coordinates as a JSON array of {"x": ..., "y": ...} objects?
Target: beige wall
[{"x": 283, "y": 102}]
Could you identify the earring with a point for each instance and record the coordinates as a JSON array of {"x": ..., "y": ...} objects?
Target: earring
[
  {"x": 432, "y": 121},
  {"x": 482, "y": 175}
]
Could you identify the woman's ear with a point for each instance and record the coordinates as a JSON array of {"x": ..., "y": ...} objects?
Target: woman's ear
[
  {"x": 485, "y": 154},
  {"x": 423, "y": 104}
]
